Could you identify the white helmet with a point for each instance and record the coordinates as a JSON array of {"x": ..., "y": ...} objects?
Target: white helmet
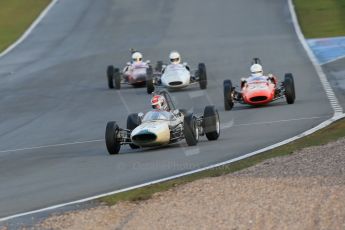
[
  {"x": 158, "y": 102},
  {"x": 137, "y": 57},
  {"x": 256, "y": 70},
  {"x": 175, "y": 57}
]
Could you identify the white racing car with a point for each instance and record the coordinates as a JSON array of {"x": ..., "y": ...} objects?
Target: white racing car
[
  {"x": 162, "y": 127},
  {"x": 176, "y": 76}
]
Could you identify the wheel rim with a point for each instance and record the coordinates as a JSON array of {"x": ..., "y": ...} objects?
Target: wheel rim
[
  {"x": 218, "y": 125},
  {"x": 196, "y": 132}
]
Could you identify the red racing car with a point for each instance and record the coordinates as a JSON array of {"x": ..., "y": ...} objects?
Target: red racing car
[
  {"x": 135, "y": 73},
  {"x": 259, "y": 90}
]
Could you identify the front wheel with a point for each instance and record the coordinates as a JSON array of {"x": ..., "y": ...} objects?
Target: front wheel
[
  {"x": 202, "y": 76},
  {"x": 289, "y": 86},
  {"x": 211, "y": 123},
  {"x": 150, "y": 88},
  {"x": 159, "y": 66},
  {"x": 190, "y": 130},
  {"x": 117, "y": 78},
  {"x": 111, "y": 141},
  {"x": 133, "y": 121},
  {"x": 228, "y": 95},
  {"x": 110, "y": 76}
]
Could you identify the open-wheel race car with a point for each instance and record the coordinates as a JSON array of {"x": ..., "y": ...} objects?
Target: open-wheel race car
[
  {"x": 162, "y": 127},
  {"x": 259, "y": 90},
  {"x": 135, "y": 73},
  {"x": 177, "y": 76}
]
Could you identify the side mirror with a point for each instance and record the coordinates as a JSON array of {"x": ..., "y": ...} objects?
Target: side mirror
[
  {"x": 128, "y": 63},
  {"x": 185, "y": 63},
  {"x": 148, "y": 61},
  {"x": 164, "y": 66}
]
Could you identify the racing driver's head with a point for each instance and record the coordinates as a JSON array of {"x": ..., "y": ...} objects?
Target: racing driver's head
[
  {"x": 158, "y": 102},
  {"x": 174, "y": 57},
  {"x": 256, "y": 70},
  {"x": 137, "y": 57}
]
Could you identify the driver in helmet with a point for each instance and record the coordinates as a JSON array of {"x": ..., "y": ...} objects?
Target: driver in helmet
[
  {"x": 136, "y": 59},
  {"x": 175, "y": 59},
  {"x": 257, "y": 74},
  {"x": 158, "y": 102}
]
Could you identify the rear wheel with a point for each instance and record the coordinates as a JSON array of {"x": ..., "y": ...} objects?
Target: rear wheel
[
  {"x": 289, "y": 86},
  {"x": 110, "y": 76},
  {"x": 149, "y": 81},
  {"x": 133, "y": 121},
  {"x": 202, "y": 76},
  {"x": 111, "y": 141},
  {"x": 211, "y": 123},
  {"x": 228, "y": 95},
  {"x": 117, "y": 78},
  {"x": 159, "y": 66},
  {"x": 190, "y": 130}
]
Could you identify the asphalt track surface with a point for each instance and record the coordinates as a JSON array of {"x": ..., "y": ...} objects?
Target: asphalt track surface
[{"x": 53, "y": 91}]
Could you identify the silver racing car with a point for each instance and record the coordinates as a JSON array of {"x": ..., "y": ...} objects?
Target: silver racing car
[
  {"x": 177, "y": 76},
  {"x": 163, "y": 127}
]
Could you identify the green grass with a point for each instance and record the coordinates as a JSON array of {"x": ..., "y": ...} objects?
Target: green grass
[
  {"x": 16, "y": 16},
  {"x": 321, "y": 18},
  {"x": 326, "y": 135}
]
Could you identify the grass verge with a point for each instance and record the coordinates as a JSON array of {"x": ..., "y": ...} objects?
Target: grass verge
[
  {"x": 321, "y": 18},
  {"x": 16, "y": 16},
  {"x": 324, "y": 136}
]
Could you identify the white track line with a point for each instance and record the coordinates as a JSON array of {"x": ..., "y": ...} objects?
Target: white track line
[
  {"x": 30, "y": 29},
  {"x": 329, "y": 91},
  {"x": 224, "y": 126},
  {"x": 308, "y": 132},
  {"x": 231, "y": 123},
  {"x": 51, "y": 146},
  {"x": 332, "y": 60},
  {"x": 337, "y": 115},
  {"x": 278, "y": 121}
]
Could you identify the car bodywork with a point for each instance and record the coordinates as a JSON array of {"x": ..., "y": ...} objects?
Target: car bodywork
[
  {"x": 163, "y": 127},
  {"x": 177, "y": 76},
  {"x": 259, "y": 91},
  {"x": 135, "y": 74}
]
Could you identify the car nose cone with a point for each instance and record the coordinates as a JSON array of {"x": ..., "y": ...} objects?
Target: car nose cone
[
  {"x": 144, "y": 137},
  {"x": 151, "y": 134}
]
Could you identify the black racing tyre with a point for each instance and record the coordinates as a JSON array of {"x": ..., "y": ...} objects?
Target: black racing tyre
[
  {"x": 211, "y": 123},
  {"x": 150, "y": 88},
  {"x": 159, "y": 66},
  {"x": 111, "y": 131},
  {"x": 202, "y": 76},
  {"x": 289, "y": 86},
  {"x": 190, "y": 130},
  {"x": 133, "y": 121},
  {"x": 110, "y": 76},
  {"x": 228, "y": 95},
  {"x": 117, "y": 78}
]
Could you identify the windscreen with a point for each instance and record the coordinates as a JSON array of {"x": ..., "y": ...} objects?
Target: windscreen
[{"x": 157, "y": 115}]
